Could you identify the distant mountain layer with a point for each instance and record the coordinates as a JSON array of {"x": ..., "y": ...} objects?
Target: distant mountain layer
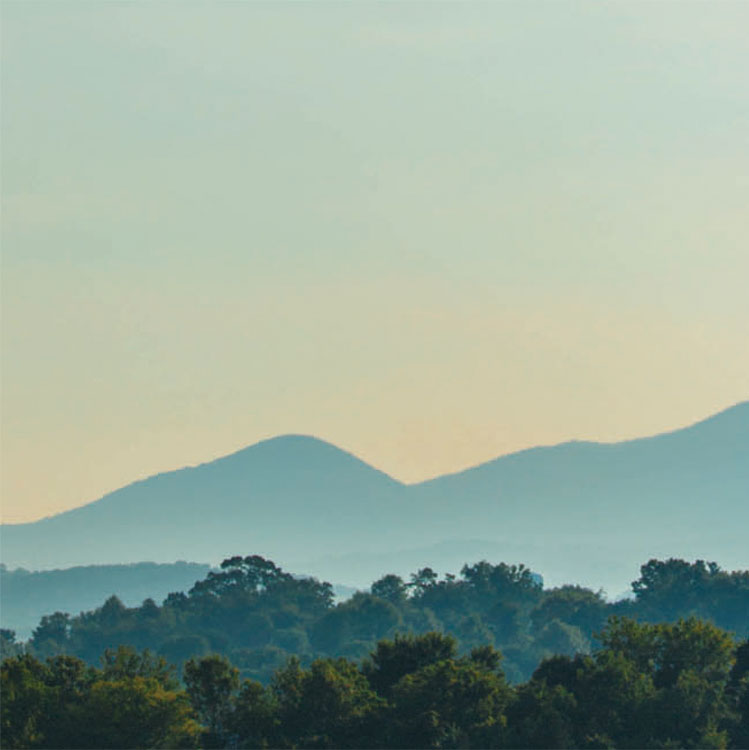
[
  {"x": 25, "y": 596},
  {"x": 580, "y": 511}
]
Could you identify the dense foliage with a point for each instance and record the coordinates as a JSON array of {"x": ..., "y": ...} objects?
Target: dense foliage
[
  {"x": 646, "y": 686},
  {"x": 257, "y": 615},
  {"x": 133, "y": 700}
]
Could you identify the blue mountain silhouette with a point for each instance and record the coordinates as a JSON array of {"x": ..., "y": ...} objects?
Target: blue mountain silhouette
[{"x": 572, "y": 511}]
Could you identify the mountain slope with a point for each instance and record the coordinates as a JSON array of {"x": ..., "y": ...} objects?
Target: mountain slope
[
  {"x": 675, "y": 480},
  {"x": 579, "y": 511},
  {"x": 270, "y": 498},
  {"x": 593, "y": 512}
]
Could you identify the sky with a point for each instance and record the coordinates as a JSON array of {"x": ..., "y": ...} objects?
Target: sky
[{"x": 430, "y": 233}]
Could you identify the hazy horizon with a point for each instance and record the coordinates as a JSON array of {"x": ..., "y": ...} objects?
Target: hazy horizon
[
  {"x": 382, "y": 469},
  {"x": 429, "y": 234}
]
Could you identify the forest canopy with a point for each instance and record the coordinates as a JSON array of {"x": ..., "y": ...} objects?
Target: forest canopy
[
  {"x": 257, "y": 615},
  {"x": 252, "y": 656},
  {"x": 645, "y": 686}
]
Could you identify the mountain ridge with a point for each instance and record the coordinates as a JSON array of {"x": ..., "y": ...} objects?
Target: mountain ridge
[
  {"x": 222, "y": 461},
  {"x": 741, "y": 408},
  {"x": 310, "y": 505}
]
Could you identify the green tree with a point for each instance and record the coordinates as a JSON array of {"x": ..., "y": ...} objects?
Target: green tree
[
  {"x": 573, "y": 605},
  {"x": 8, "y": 645},
  {"x": 393, "y": 659},
  {"x": 66, "y": 703},
  {"x": 391, "y": 588},
  {"x": 738, "y": 692},
  {"x": 422, "y": 581},
  {"x": 52, "y": 635},
  {"x": 515, "y": 583},
  {"x": 450, "y": 703},
  {"x": 24, "y": 697},
  {"x": 562, "y": 638},
  {"x": 68, "y": 681},
  {"x": 330, "y": 705},
  {"x": 135, "y": 712},
  {"x": 211, "y": 685},
  {"x": 125, "y": 662},
  {"x": 541, "y": 716},
  {"x": 254, "y": 722},
  {"x": 665, "y": 650}
]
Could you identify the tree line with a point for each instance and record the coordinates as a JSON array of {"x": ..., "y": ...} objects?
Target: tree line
[
  {"x": 257, "y": 615},
  {"x": 644, "y": 685}
]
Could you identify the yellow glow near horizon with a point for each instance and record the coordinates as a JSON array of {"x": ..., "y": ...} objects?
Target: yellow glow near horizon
[{"x": 430, "y": 235}]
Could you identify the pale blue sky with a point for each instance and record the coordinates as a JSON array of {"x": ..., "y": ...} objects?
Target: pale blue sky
[{"x": 428, "y": 232}]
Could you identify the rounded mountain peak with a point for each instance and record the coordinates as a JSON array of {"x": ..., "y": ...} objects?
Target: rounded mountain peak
[{"x": 298, "y": 453}]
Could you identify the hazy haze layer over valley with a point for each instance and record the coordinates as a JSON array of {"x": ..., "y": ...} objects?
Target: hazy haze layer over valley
[
  {"x": 25, "y": 596},
  {"x": 580, "y": 512}
]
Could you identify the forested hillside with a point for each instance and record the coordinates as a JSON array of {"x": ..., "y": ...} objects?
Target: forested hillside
[
  {"x": 644, "y": 686},
  {"x": 258, "y": 615},
  {"x": 486, "y": 657}
]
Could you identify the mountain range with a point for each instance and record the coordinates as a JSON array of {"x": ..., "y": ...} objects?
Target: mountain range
[{"x": 580, "y": 512}]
